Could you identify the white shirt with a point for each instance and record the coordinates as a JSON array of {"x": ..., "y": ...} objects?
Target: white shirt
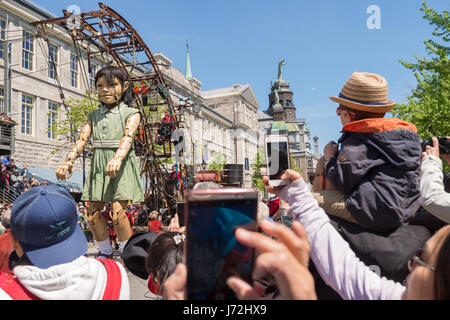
[
  {"x": 333, "y": 258},
  {"x": 435, "y": 200},
  {"x": 81, "y": 279}
]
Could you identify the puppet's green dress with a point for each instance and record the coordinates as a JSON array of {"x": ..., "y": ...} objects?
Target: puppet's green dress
[{"x": 108, "y": 127}]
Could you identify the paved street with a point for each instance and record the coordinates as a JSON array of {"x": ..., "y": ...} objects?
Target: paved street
[{"x": 138, "y": 286}]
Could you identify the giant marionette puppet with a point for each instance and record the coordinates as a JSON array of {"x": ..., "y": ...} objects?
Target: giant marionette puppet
[{"x": 114, "y": 176}]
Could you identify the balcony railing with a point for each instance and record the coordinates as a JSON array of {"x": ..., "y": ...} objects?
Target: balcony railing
[
  {"x": 7, "y": 136},
  {"x": 8, "y": 194}
]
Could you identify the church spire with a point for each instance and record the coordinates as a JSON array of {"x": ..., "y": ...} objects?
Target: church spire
[{"x": 188, "y": 73}]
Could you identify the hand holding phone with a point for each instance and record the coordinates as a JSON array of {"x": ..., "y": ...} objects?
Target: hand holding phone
[
  {"x": 289, "y": 176},
  {"x": 212, "y": 253},
  {"x": 287, "y": 263}
]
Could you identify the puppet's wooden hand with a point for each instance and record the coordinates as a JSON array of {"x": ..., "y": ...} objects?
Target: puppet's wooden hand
[
  {"x": 113, "y": 167},
  {"x": 63, "y": 169}
]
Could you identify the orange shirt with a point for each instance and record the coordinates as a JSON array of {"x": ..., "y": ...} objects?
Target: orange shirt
[
  {"x": 5, "y": 250},
  {"x": 155, "y": 226}
]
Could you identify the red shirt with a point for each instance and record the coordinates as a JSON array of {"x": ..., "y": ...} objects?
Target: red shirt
[
  {"x": 274, "y": 205},
  {"x": 167, "y": 118},
  {"x": 176, "y": 175},
  {"x": 5, "y": 250},
  {"x": 155, "y": 226},
  {"x": 152, "y": 286}
]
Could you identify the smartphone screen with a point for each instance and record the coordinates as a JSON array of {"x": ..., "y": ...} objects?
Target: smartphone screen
[
  {"x": 213, "y": 253},
  {"x": 278, "y": 159}
]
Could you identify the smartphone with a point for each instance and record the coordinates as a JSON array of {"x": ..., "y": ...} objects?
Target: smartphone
[
  {"x": 212, "y": 253},
  {"x": 277, "y": 155}
]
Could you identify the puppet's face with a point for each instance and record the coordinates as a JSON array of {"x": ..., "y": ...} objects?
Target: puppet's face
[{"x": 110, "y": 94}]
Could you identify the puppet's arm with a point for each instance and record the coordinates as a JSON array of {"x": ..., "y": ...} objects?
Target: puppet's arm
[
  {"x": 77, "y": 149},
  {"x": 113, "y": 167}
]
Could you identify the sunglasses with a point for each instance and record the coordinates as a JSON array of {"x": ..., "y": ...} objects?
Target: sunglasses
[
  {"x": 417, "y": 259},
  {"x": 339, "y": 111}
]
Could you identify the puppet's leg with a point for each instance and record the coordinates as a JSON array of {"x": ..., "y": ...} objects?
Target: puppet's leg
[
  {"x": 121, "y": 222},
  {"x": 99, "y": 228},
  {"x": 97, "y": 222}
]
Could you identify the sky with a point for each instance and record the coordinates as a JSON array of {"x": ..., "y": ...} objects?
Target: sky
[{"x": 323, "y": 42}]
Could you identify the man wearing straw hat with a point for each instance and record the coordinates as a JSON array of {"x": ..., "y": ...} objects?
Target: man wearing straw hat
[{"x": 375, "y": 171}]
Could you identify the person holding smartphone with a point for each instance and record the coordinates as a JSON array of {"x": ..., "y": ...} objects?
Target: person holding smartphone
[
  {"x": 435, "y": 200},
  {"x": 344, "y": 272},
  {"x": 287, "y": 259}
]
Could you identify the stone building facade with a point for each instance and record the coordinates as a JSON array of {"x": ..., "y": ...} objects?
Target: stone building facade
[{"x": 35, "y": 97}]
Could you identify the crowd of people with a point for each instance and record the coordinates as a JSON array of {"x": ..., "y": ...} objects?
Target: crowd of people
[
  {"x": 20, "y": 180},
  {"x": 6, "y": 118},
  {"x": 377, "y": 199}
]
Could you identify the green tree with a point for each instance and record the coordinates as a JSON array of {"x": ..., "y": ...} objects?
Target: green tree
[
  {"x": 71, "y": 119},
  {"x": 428, "y": 105},
  {"x": 218, "y": 162},
  {"x": 258, "y": 163}
]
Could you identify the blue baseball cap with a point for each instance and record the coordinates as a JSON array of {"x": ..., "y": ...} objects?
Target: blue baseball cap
[{"x": 44, "y": 220}]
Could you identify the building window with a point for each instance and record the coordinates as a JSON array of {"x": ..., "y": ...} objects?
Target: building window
[
  {"x": 52, "y": 60},
  {"x": 310, "y": 163},
  {"x": 2, "y": 36},
  {"x": 92, "y": 72},
  {"x": 52, "y": 117},
  {"x": 27, "y": 50},
  {"x": 27, "y": 115},
  {"x": 2, "y": 100},
  {"x": 74, "y": 70}
]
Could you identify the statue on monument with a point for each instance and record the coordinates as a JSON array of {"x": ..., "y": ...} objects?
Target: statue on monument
[
  {"x": 277, "y": 98},
  {"x": 280, "y": 69}
]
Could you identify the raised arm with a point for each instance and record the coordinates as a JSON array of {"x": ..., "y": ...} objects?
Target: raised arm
[
  {"x": 80, "y": 144},
  {"x": 338, "y": 265},
  {"x": 435, "y": 199}
]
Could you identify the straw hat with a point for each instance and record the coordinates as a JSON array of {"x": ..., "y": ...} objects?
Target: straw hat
[{"x": 365, "y": 92}]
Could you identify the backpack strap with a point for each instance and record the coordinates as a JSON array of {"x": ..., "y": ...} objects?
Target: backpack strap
[
  {"x": 15, "y": 289},
  {"x": 113, "y": 280}
]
